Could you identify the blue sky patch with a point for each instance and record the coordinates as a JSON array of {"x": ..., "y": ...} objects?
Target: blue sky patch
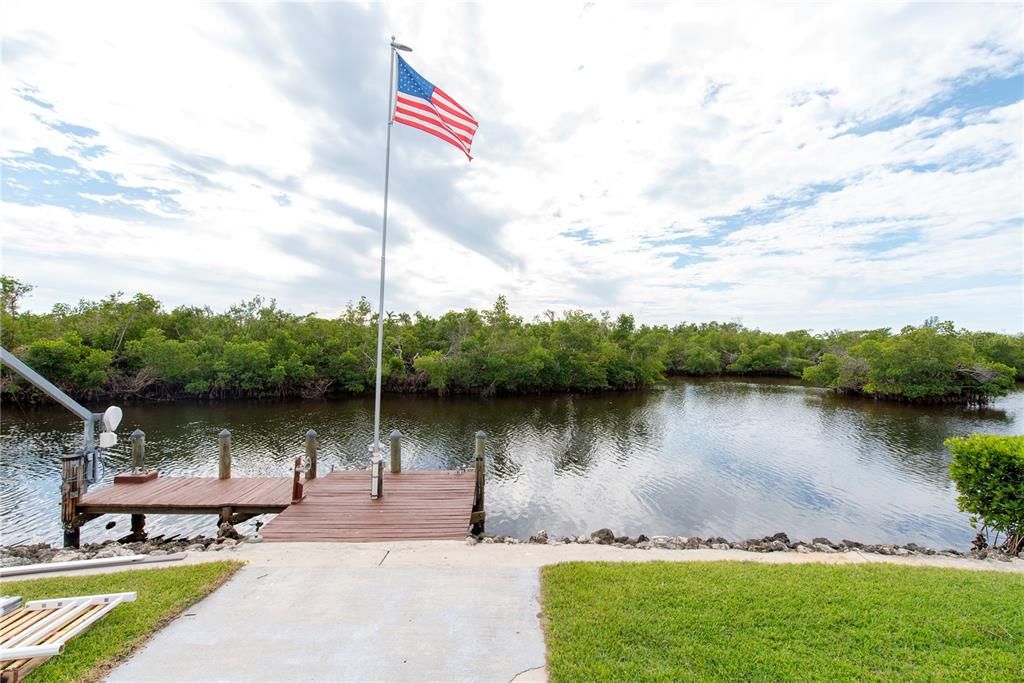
[
  {"x": 72, "y": 129},
  {"x": 683, "y": 260},
  {"x": 889, "y": 241},
  {"x": 773, "y": 208},
  {"x": 91, "y": 151},
  {"x": 689, "y": 239},
  {"x": 585, "y": 235},
  {"x": 44, "y": 178},
  {"x": 966, "y": 94},
  {"x": 34, "y": 100}
]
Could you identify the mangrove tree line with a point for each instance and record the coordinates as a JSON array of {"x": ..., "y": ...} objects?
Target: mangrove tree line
[{"x": 135, "y": 347}]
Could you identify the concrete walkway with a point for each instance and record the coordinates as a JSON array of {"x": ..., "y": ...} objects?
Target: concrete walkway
[
  {"x": 413, "y": 611},
  {"x": 353, "y": 624}
]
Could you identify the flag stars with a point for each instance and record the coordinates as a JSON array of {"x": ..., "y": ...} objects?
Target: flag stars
[{"x": 411, "y": 82}]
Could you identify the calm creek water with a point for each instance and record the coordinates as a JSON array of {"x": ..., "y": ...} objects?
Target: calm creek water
[{"x": 690, "y": 457}]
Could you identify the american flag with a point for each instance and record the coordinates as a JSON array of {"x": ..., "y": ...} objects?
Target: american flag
[{"x": 423, "y": 105}]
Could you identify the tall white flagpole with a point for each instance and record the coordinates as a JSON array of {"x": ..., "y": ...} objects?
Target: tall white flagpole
[{"x": 383, "y": 244}]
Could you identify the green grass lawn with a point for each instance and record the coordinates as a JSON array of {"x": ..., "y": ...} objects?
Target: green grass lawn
[
  {"x": 162, "y": 595},
  {"x": 734, "y": 621}
]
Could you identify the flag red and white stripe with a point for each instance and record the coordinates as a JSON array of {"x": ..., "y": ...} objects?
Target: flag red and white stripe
[{"x": 424, "y": 106}]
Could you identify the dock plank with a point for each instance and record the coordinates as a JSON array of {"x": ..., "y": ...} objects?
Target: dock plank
[
  {"x": 271, "y": 494},
  {"x": 417, "y": 505}
]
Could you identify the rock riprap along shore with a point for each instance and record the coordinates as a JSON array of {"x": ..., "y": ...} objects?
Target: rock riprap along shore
[
  {"x": 38, "y": 553},
  {"x": 779, "y": 542}
]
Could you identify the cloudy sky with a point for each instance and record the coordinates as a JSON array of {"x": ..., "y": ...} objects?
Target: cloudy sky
[{"x": 802, "y": 166}]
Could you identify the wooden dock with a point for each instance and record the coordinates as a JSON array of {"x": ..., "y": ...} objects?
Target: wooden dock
[
  {"x": 416, "y": 505},
  {"x": 405, "y": 506},
  {"x": 191, "y": 495}
]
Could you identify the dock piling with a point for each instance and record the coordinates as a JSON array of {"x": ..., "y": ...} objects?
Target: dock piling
[
  {"x": 396, "y": 452},
  {"x": 138, "y": 532},
  {"x": 376, "y": 474},
  {"x": 224, "y": 469},
  {"x": 311, "y": 448},
  {"x": 70, "y": 490},
  {"x": 226, "y": 523},
  {"x": 138, "y": 451},
  {"x": 477, "y": 517},
  {"x": 297, "y": 493}
]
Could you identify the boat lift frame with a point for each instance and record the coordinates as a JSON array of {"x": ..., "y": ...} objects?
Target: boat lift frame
[{"x": 89, "y": 418}]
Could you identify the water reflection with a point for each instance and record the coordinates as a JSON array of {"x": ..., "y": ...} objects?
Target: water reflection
[
  {"x": 903, "y": 437},
  {"x": 707, "y": 457}
]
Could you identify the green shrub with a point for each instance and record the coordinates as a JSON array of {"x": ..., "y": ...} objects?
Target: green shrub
[
  {"x": 935, "y": 364},
  {"x": 67, "y": 361},
  {"x": 989, "y": 474}
]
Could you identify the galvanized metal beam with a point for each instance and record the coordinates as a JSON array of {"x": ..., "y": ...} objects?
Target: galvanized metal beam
[{"x": 46, "y": 386}]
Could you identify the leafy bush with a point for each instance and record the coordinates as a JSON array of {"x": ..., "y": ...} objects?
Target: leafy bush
[
  {"x": 1001, "y": 348},
  {"x": 989, "y": 474},
  {"x": 68, "y": 362},
  {"x": 934, "y": 364},
  {"x": 931, "y": 362}
]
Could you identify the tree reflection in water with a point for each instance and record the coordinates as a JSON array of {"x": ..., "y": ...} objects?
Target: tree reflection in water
[{"x": 731, "y": 457}]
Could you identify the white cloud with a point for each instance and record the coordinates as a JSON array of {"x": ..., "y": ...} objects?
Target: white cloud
[{"x": 643, "y": 124}]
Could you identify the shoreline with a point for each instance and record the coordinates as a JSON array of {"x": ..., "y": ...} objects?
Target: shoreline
[
  {"x": 776, "y": 544},
  {"x": 482, "y": 556},
  {"x": 31, "y": 400}
]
